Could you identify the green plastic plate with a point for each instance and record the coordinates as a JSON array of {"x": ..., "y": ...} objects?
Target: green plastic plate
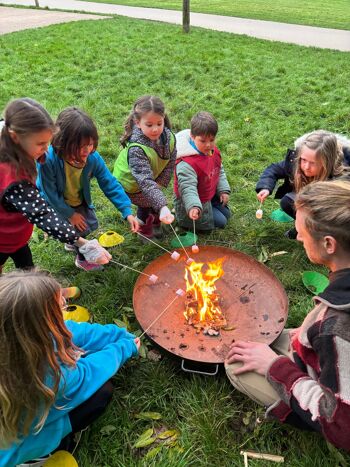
[
  {"x": 187, "y": 239},
  {"x": 280, "y": 216},
  {"x": 314, "y": 281}
]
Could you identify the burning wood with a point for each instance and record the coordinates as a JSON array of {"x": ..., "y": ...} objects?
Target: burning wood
[{"x": 202, "y": 304}]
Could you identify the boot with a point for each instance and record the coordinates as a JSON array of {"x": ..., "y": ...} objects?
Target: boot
[{"x": 146, "y": 228}]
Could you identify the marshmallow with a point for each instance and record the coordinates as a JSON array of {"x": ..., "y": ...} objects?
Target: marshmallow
[
  {"x": 259, "y": 214},
  {"x": 175, "y": 255},
  {"x": 153, "y": 278},
  {"x": 190, "y": 261},
  {"x": 195, "y": 249},
  {"x": 180, "y": 293}
]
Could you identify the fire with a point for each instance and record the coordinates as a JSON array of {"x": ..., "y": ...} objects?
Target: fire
[{"x": 202, "y": 304}]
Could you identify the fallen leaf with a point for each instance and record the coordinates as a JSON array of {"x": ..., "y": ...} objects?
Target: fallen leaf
[
  {"x": 153, "y": 452},
  {"x": 149, "y": 416},
  {"x": 119, "y": 323},
  {"x": 143, "y": 351},
  {"x": 263, "y": 255},
  {"x": 278, "y": 253},
  {"x": 145, "y": 439},
  {"x": 228, "y": 328},
  {"x": 169, "y": 434},
  {"x": 154, "y": 355}
]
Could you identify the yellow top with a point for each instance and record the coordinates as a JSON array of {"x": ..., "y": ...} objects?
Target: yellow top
[{"x": 73, "y": 190}]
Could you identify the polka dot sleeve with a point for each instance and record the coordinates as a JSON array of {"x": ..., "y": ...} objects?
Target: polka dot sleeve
[{"x": 25, "y": 198}]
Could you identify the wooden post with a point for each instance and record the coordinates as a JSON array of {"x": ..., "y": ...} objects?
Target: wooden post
[{"x": 186, "y": 16}]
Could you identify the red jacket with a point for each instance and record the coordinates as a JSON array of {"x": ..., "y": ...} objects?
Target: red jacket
[
  {"x": 15, "y": 230},
  {"x": 208, "y": 172}
]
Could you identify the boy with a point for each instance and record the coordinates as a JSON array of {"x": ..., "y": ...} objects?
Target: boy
[{"x": 201, "y": 187}]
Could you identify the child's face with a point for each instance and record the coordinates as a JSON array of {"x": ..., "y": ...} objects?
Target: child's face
[
  {"x": 204, "y": 143},
  {"x": 313, "y": 248},
  {"x": 151, "y": 125},
  {"x": 309, "y": 164},
  {"x": 85, "y": 149},
  {"x": 34, "y": 144}
]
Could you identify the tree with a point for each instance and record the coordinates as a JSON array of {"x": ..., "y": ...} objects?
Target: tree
[
  {"x": 186, "y": 16},
  {"x": 37, "y": 3}
]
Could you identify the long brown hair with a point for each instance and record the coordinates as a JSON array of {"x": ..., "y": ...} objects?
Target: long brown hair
[
  {"x": 33, "y": 340},
  {"x": 328, "y": 153},
  {"x": 142, "y": 106},
  {"x": 24, "y": 116},
  {"x": 74, "y": 127},
  {"x": 328, "y": 210}
]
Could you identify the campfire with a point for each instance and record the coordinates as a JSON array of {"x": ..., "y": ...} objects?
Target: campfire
[{"x": 202, "y": 301}]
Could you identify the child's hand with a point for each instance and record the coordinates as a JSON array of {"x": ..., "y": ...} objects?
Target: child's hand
[
  {"x": 165, "y": 215},
  {"x": 262, "y": 195},
  {"x": 78, "y": 221},
  {"x": 137, "y": 343},
  {"x": 134, "y": 225},
  {"x": 193, "y": 213},
  {"x": 224, "y": 198}
]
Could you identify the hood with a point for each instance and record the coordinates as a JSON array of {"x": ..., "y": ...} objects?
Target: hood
[
  {"x": 183, "y": 145},
  {"x": 337, "y": 294}
]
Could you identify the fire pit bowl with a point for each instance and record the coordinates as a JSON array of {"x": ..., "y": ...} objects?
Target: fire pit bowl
[{"x": 253, "y": 302}]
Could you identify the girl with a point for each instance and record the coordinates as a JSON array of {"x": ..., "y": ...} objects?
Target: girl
[
  {"x": 24, "y": 138},
  {"x": 304, "y": 378},
  {"x": 147, "y": 163},
  {"x": 317, "y": 156},
  {"x": 64, "y": 179},
  {"x": 54, "y": 378}
]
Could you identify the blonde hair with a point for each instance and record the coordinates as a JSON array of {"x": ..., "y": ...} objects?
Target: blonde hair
[
  {"x": 328, "y": 152},
  {"x": 328, "y": 210},
  {"x": 34, "y": 341}
]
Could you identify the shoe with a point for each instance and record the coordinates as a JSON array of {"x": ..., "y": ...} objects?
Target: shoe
[
  {"x": 157, "y": 227},
  {"x": 71, "y": 292},
  {"x": 291, "y": 234},
  {"x": 69, "y": 247},
  {"x": 86, "y": 266}
]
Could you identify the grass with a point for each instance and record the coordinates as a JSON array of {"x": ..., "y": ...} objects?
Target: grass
[
  {"x": 264, "y": 95},
  {"x": 322, "y": 13}
]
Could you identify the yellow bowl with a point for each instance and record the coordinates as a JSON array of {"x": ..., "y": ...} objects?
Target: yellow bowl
[
  {"x": 76, "y": 313},
  {"x": 61, "y": 459},
  {"x": 110, "y": 238}
]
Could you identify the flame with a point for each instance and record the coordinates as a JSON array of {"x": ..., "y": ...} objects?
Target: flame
[{"x": 201, "y": 286}]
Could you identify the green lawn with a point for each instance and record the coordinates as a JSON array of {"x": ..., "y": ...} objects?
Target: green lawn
[
  {"x": 323, "y": 13},
  {"x": 264, "y": 95}
]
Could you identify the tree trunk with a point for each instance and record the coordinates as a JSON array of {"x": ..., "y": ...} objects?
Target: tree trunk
[
  {"x": 186, "y": 16},
  {"x": 37, "y": 3}
]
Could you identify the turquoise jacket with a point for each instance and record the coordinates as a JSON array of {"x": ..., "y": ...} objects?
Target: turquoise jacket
[
  {"x": 107, "y": 347},
  {"x": 51, "y": 182}
]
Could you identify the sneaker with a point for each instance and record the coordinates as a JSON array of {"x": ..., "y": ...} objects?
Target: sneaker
[
  {"x": 69, "y": 247},
  {"x": 86, "y": 266},
  {"x": 71, "y": 292},
  {"x": 291, "y": 234}
]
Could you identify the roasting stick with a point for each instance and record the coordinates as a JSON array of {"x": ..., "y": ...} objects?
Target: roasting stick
[
  {"x": 159, "y": 316},
  {"x": 150, "y": 240},
  {"x": 128, "y": 267},
  {"x": 180, "y": 241},
  {"x": 261, "y": 455}
]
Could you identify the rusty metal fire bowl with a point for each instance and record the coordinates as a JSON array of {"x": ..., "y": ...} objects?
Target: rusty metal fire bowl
[{"x": 252, "y": 299}]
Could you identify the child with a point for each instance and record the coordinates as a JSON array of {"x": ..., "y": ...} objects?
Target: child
[
  {"x": 24, "y": 138},
  {"x": 317, "y": 156},
  {"x": 147, "y": 162},
  {"x": 55, "y": 375},
  {"x": 64, "y": 179},
  {"x": 306, "y": 383},
  {"x": 201, "y": 187}
]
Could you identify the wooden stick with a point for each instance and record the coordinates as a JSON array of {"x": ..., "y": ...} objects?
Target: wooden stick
[
  {"x": 159, "y": 316},
  {"x": 245, "y": 459},
  {"x": 262, "y": 455},
  {"x": 179, "y": 241}
]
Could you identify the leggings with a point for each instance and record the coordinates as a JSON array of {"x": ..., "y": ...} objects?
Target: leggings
[{"x": 22, "y": 258}]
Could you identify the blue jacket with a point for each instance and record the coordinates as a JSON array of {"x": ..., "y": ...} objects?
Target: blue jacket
[
  {"x": 51, "y": 182},
  {"x": 107, "y": 347}
]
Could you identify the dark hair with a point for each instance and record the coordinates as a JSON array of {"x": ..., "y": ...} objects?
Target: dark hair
[
  {"x": 74, "y": 126},
  {"x": 23, "y": 116},
  {"x": 142, "y": 106},
  {"x": 204, "y": 124}
]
